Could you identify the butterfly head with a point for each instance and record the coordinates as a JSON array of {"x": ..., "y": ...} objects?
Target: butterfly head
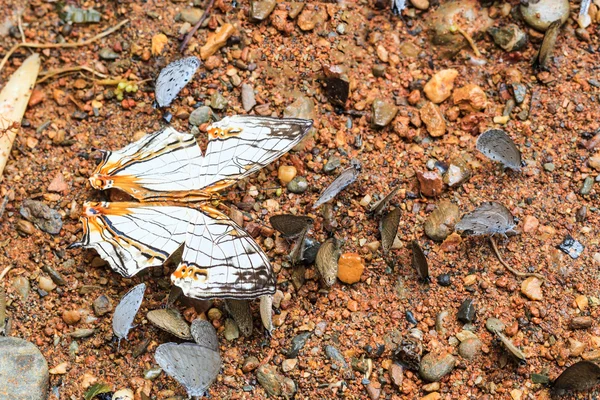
[{"x": 102, "y": 182}]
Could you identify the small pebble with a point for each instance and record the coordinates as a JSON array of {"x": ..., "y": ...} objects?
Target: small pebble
[
  {"x": 71, "y": 317},
  {"x": 298, "y": 185},
  {"x": 350, "y": 268},
  {"x": 440, "y": 86},
  {"x": 532, "y": 288},
  {"x": 102, "y": 305},
  {"x": 434, "y": 366},
  {"x": 286, "y": 173},
  {"x": 494, "y": 324},
  {"x": 470, "y": 348},
  {"x": 46, "y": 284},
  {"x": 466, "y": 311}
]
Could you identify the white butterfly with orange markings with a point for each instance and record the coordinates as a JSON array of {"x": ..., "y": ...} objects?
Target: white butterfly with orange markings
[{"x": 165, "y": 169}]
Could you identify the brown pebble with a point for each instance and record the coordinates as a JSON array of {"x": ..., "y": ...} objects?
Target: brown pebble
[
  {"x": 350, "y": 268},
  {"x": 581, "y": 322},
  {"x": 431, "y": 183},
  {"x": 71, "y": 317},
  {"x": 440, "y": 86},
  {"x": 433, "y": 119}
]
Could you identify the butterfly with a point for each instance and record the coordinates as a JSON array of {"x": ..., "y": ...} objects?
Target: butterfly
[
  {"x": 165, "y": 170},
  {"x": 487, "y": 219},
  {"x": 344, "y": 179},
  {"x": 173, "y": 78},
  {"x": 498, "y": 146},
  {"x": 126, "y": 310}
]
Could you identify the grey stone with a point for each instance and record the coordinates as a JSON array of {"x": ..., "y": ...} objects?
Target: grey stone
[
  {"x": 298, "y": 185},
  {"x": 23, "y": 370},
  {"x": 248, "y": 100},
  {"x": 435, "y": 366},
  {"x": 200, "y": 115}
]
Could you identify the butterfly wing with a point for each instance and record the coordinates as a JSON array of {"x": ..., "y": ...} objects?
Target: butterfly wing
[
  {"x": 173, "y": 78},
  {"x": 133, "y": 236},
  {"x": 161, "y": 165},
  {"x": 168, "y": 165},
  {"x": 241, "y": 145},
  {"x": 126, "y": 310},
  {"x": 193, "y": 366},
  {"x": 220, "y": 260},
  {"x": 489, "y": 218},
  {"x": 345, "y": 179},
  {"x": 498, "y": 146}
]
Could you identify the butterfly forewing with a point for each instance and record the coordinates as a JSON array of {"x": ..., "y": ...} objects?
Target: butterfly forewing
[
  {"x": 487, "y": 219},
  {"x": 193, "y": 366},
  {"x": 204, "y": 334},
  {"x": 388, "y": 227},
  {"x": 498, "y": 146},
  {"x": 220, "y": 260},
  {"x": 241, "y": 145},
  {"x": 173, "y": 78},
  {"x": 133, "y": 236},
  {"x": 345, "y": 179},
  {"x": 126, "y": 310},
  {"x": 158, "y": 166}
]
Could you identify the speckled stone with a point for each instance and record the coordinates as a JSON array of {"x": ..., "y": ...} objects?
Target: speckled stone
[{"x": 23, "y": 370}]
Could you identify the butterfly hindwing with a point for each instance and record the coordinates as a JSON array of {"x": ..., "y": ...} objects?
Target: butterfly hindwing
[
  {"x": 221, "y": 260},
  {"x": 133, "y": 236}
]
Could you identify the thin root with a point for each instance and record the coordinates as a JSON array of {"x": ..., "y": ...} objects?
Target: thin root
[
  {"x": 469, "y": 40},
  {"x": 61, "y": 45},
  {"x": 192, "y": 31},
  {"x": 508, "y": 267},
  {"x": 55, "y": 72}
]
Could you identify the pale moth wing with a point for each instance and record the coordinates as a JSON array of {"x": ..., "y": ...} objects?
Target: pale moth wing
[
  {"x": 173, "y": 78},
  {"x": 488, "y": 219},
  {"x": 498, "y": 146}
]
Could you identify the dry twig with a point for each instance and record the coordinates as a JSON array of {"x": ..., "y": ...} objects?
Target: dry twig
[
  {"x": 55, "y": 72},
  {"x": 61, "y": 45},
  {"x": 508, "y": 267},
  {"x": 191, "y": 33}
]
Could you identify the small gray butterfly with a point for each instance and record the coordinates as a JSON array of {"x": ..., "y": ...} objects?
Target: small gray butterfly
[
  {"x": 487, "y": 219},
  {"x": 498, "y": 146},
  {"x": 126, "y": 310},
  {"x": 192, "y": 365},
  {"x": 173, "y": 78},
  {"x": 345, "y": 179},
  {"x": 291, "y": 226}
]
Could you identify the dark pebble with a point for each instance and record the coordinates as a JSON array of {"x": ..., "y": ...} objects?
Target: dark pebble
[
  {"x": 311, "y": 248},
  {"x": 408, "y": 354},
  {"x": 335, "y": 356},
  {"x": 411, "y": 318},
  {"x": 332, "y": 164},
  {"x": 298, "y": 343},
  {"x": 571, "y": 247},
  {"x": 54, "y": 275},
  {"x": 466, "y": 312},
  {"x": 444, "y": 280}
]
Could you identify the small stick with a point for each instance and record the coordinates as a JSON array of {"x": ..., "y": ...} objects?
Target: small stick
[
  {"x": 469, "y": 40},
  {"x": 4, "y": 202},
  {"x": 5, "y": 271},
  {"x": 508, "y": 267},
  {"x": 61, "y": 45},
  {"x": 191, "y": 33},
  {"x": 55, "y": 72}
]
